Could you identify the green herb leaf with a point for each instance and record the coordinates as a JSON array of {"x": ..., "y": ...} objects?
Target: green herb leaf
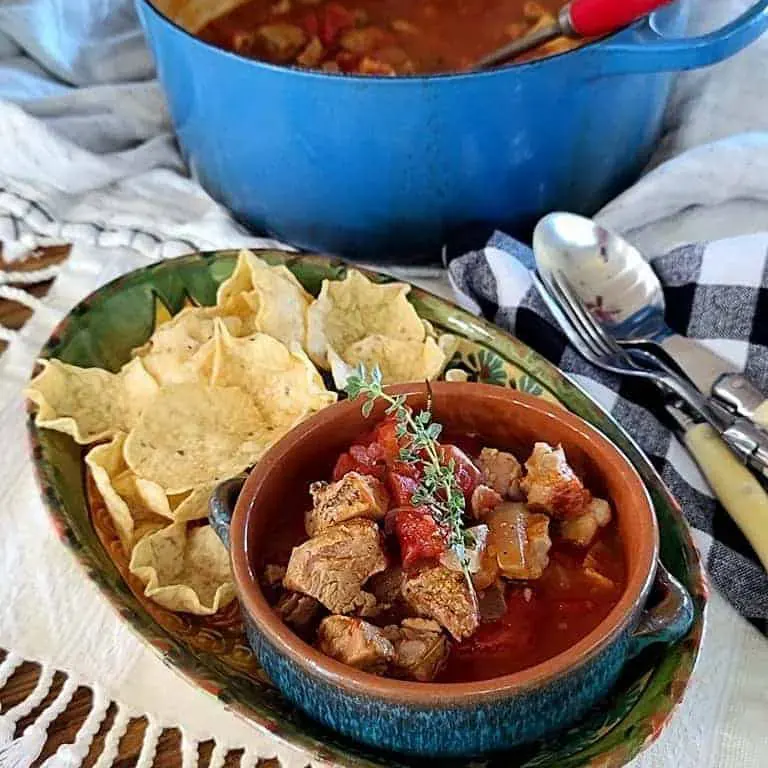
[{"x": 438, "y": 489}]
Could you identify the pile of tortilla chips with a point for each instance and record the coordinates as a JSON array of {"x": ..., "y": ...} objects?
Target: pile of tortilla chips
[{"x": 208, "y": 394}]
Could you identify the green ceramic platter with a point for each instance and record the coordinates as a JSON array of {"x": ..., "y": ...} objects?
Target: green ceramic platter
[{"x": 212, "y": 653}]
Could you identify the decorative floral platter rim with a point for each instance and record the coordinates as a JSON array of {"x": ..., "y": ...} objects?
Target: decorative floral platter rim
[{"x": 103, "y": 328}]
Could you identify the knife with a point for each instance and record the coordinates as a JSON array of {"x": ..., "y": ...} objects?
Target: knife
[
  {"x": 737, "y": 489},
  {"x": 715, "y": 377}
]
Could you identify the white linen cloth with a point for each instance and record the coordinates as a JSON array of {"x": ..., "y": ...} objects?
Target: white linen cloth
[{"x": 85, "y": 141}]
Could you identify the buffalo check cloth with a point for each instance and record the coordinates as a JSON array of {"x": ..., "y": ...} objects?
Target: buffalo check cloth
[{"x": 716, "y": 293}]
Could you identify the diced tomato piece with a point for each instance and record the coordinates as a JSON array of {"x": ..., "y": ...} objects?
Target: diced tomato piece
[
  {"x": 345, "y": 463},
  {"x": 414, "y": 471},
  {"x": 484, "y": 499},
  {"x": 365, "y": 460},
  {"x": 360, "y": 454},
  {"x": 347, "y": 61},
  {"x": 386, "y": 437},
  {"x": 419, "y": 537},
  {"x": 401, "y": 489},
  {"x": 310, "y": 24},
  {"x": 369, "y": 460},
  {"x": 467, "y": 474},
  {"x": 336, "y": 18}
]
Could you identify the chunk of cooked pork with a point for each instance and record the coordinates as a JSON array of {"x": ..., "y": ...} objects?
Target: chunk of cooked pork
[
  {"x": 333, "y": 566},
  {"x": 519, "y": 539},
  {"x": 280, "y": 42},
  {"x": 488, "y": 571},
  {"x": 421, "y": 649},
  {"x": 355, "y": 642},
  {"x": 312, "y": 55},
  {"x": 501, "y": 471},
  {"x": 387, "y": 585},
  {"x": 442, "y": 594},
  {"x": 273, "y": 574},
  {"x": 355, "y": 495},
  {"x": 297, "y": 610},
  {"x": 492, "y": 602},
  {"x": 551, "y": 485},
  {"x": 483, "y": 500},
  {"x": 582, "y": 530}
]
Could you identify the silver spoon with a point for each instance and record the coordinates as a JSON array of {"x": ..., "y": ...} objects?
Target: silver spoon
[{"x": 625, "y": 297}]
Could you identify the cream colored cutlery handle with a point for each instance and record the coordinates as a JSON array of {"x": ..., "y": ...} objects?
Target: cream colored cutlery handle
[
  {"x": 734, "y": 485},
  {"x": 760, "y": 416},
  {"x": 700, "y": 365}
]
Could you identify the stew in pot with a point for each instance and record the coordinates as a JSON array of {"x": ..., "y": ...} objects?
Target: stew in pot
[
  {"x": 369, "y": 571},
  {"x": 380, "y": 37}
]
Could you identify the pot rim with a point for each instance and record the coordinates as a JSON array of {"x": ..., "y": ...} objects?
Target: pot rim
[
  {"x": 441, "y": 695},
  {"x": 418, "y": 78}
]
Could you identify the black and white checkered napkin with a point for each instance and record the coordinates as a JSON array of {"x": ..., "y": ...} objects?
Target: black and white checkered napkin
[{"x": 716, "y": 293}]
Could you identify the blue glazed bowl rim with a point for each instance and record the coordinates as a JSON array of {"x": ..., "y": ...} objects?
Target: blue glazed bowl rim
[
  {"x": 391, "y": 81},
  {"x": 286, "y": 643}
]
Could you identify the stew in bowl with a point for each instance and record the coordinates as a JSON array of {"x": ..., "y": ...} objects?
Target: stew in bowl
[
  {"x": 450, "y": 594},
  {"x": 545, "y": 564}
]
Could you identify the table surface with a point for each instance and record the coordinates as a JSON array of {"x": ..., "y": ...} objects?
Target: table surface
[{"x": 65, "y": 727}]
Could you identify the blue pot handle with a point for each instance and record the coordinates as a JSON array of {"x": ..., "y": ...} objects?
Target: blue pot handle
[
  {"x": 668, "y": 619},
  {"x": 643, "y": 49},
  {"x": 221, "y": 507}
]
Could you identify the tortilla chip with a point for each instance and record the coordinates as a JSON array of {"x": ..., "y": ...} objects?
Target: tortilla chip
[
  {"x": 352, "y": 309},
  {"x": 399, "y": 361},
  {"x": 275, "y": 298},
  {"x": 179, "y": 507},
  {"x": 429, "y": 329},
  {"x": 194, "y": 505},
  {"x": 195, "y": 434},
  {"x": 184, "y": 569},
  {"x": 282, "y": 381},
  {"x": 153, "y": 497},
  {"x": 116, "y": 484},
  {"x": 90, "y": 404},
  {"x": 180, "y": 350},
  {"x": 238, "y": 282},
  {"x": 163, "y": 314}
]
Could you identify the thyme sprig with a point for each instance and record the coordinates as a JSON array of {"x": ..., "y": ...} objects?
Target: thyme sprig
[{"x": 438, "y": 489}]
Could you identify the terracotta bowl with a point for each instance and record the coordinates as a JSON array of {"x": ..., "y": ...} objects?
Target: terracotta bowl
[{"x": 463, "y": 718}]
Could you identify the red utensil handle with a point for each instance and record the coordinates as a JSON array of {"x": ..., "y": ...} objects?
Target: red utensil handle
[{"x": 593, "y": 18}]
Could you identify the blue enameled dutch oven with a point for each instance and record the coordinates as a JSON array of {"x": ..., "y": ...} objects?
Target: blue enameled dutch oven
[
  {"x": 385, "y": 168},
  {"x": 449, "y": 719}
]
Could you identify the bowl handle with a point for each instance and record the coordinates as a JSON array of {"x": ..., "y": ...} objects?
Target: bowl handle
[
  {"x": 645, "y": 50},
  {"x": 222, "y": 506},
  {"x": 668, "y": 619}
]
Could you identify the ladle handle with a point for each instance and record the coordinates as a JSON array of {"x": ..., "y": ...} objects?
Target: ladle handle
[{"x": 594, "y": 18}]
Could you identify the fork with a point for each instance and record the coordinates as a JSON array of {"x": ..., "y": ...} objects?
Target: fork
[
  {"x": 748, "y": 442},
  {"x": 591, "y": 342}
]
